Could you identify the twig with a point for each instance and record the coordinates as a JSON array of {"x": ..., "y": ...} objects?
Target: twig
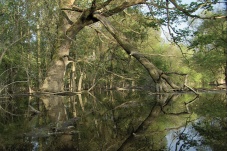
[
  {"x": 1, "y": 108},
  {"x": 34, "y": 110},
  {"x": 11, "y": 84},
  {"x": 120, "y": 76},
  {"x": 7, "y": 70},
  {"x": 5, "y": 49},
  {"x": 191, "y": 89}
]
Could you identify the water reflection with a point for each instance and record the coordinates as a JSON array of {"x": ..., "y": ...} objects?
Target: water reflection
[
  {"x": 186, "y": 138},
  {"x": 114, "y": 120}
]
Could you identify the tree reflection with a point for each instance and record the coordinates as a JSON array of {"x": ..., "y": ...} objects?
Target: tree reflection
[
  {"x": 62, "y": 134},
  {"x": 155, "y": 126},
  {"x": 115, "y": 120},
  {"x": 213, "y": 124},
  {"x": 208, "y": 132}
]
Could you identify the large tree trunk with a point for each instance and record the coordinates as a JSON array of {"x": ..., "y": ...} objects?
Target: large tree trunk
[
  {"x": 67, "y": 30},
  {"x": 163, "y": 83},
  {"x": 72, "y": 20},
  {"x": 70, "y": 23},
  {"x": 54, "y": 80}
]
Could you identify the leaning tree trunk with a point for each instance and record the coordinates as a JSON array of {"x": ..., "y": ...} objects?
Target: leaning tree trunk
[
  {"x": 161, "y": 80},
  {"x": 72, "y": 20}
]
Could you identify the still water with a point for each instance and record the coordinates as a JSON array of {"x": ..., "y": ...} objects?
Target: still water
[{"x": 114, "y": 120}]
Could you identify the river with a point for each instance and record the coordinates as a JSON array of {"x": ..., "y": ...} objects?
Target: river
[{"x": 114, "y": 120}]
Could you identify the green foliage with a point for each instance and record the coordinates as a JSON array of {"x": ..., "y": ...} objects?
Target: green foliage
[
  {"x": 29, "y": 31},
  {"x": 19, "y": 41},
  {"x": 209, "y": 47},
  {"x": 95, "y": 51},
  {"x": 212, "y": 107}
]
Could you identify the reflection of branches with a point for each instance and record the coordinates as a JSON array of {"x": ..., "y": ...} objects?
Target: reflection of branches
[
  {"x": 191, "y": 89},
  {"x": 168, "y": 100},
  {"x": 184, "y": 137},
  {"x": 81, "y": 101},
  {"x": 179, "y": 113},
  {"x": 186, "y": 104},
  {"x": 181, "y": 134},
  {"x": 146, "y": 121}
]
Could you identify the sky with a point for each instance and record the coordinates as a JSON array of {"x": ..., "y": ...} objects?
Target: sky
[{"x": 165, "y": 34}]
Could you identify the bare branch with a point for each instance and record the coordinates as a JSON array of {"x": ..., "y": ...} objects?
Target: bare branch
[
  {"x": 122, "y": 7},
  {"x": 1, "y": 108},
  {"x": 120, "y": 76},
  {"x": 152, "y": 3},
  {"x": 5, "y": 86},
  {"x": 13, "y": 43},
  {"x": 189, "y": 12},
  {"x": 74, "y": 8},
  {"x": 153, "y": 71}
]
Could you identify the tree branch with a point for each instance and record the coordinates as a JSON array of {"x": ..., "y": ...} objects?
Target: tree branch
[
  {"x": 5, "y": 86},
  {"x": 102, "y": 5},
  {"x": 13, "y": 43},
  {"x": 153, "y": 71},
  {"x": 122, "y": 7},
  {"x": 86, "y": 17},
  {"x": 189, "y": 12},
  {"x": 1, "y": 108}
]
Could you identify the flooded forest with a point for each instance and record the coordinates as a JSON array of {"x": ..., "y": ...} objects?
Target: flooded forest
[{"x": 111, "y": 75}]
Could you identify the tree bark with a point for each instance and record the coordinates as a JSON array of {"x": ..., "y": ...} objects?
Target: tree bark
[
  {"x": 53, "y": 81},
  {"x": 72, "y": 20},
  {"x": 161, "y": 80},
  {"x": 80, "y": 81}
]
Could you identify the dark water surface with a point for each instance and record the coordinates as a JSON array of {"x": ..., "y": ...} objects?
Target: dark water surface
[{"x": 114, "y": 120}]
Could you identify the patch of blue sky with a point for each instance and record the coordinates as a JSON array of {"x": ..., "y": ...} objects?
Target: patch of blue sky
[{"x": 184, "y": 24}]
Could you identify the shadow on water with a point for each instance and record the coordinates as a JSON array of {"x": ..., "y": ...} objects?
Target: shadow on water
[{"x": 114, "y": 120}]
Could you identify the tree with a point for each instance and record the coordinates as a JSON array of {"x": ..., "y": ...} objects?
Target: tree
[
  {"x": 74, "y": 18},
  {"x": 209, "y": 50},
  {"x": 21, "y": 41},
  {"x": 71, "y": 16}
]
